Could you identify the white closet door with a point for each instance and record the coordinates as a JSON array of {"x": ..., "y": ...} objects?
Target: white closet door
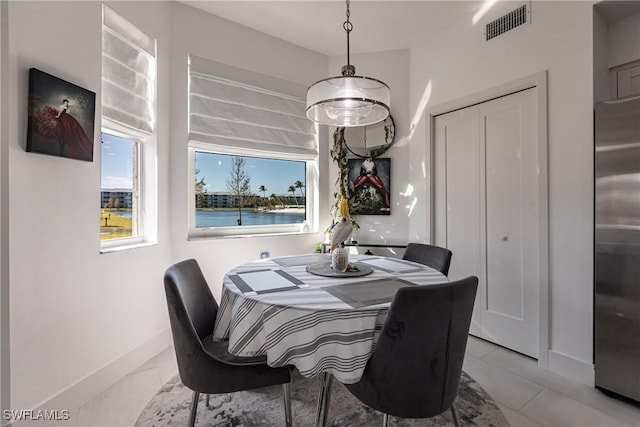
[
  {"x": 486, "y": 179},
  {"x": 458, "y": 190}
]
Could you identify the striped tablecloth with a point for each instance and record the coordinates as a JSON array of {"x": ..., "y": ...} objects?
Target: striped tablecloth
[{"x": 274, "y": 307}]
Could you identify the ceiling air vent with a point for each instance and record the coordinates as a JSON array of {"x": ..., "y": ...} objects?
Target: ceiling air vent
[{"x": 507, "y": 22}]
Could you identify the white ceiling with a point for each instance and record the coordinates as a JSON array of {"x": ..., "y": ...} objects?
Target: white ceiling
[
  {"x": 317, "y": 24},
  {"x": 378, "y": 25}
]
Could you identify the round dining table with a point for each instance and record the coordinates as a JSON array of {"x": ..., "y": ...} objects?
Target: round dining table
[{"x": 321, "y": 324}]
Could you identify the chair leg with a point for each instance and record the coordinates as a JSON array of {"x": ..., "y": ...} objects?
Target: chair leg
[
  {"x": 324, "y": 398},
  {"x": 454, "y": 414},
  {"x": 207, "y": 404},
  {"x": 385, "y": 420},
  {"x": 194, "y": 408},
  {"x": 287, "y": 404}
]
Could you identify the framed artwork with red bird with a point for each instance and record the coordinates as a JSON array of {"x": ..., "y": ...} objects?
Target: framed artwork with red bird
[
  {"x": 370, "y": 186},
  {"x": 61, "y": 117}
]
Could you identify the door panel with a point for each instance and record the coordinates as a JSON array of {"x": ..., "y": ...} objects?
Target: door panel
[
  {"x": 457, "y": 217},
  {"x": 512, "y": 282},
  {"x": 486, "y": 213},
  {"x": 503, "y": 179}
]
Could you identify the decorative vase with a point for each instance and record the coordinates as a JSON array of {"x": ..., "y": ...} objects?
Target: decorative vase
[{"x": 339, "y": 259}]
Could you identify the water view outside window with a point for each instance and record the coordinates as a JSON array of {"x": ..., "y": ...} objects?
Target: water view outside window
[
  {"x": 118, "y": 196},
  {"x": 240, "y": 191}
]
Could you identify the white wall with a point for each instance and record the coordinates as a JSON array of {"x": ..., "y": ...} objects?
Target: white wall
[
  {"x": 457, "y": 62},
  {"x": 624, "y": 40},
  {"x": 208, "y": 36},
  {"x": 73, "y": 310},
  {"x": 392, "y": 67},
  {"x": 601, "y": 79},
  {"x": 614, "y": 44}
]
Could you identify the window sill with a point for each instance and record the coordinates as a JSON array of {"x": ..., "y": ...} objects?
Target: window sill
[
  {"x": 213, "y": 236},
  {"x": 126, "y": 246},
  {"x": 250, "y": 231}
]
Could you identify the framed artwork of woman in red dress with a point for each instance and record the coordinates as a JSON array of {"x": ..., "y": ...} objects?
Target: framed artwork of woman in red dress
[
  {"x": 370, "y": 186},
  {"x": 61, "y": 117}
]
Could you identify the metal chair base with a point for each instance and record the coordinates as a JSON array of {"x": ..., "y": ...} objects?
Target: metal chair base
[
  {"x": 194, "y": 409},
  {"x": 288, "y": 421},
  {"x": 324, "y": 398},
  {"x": 454, "y": 414},
  {"x": 287, "y": 404}
]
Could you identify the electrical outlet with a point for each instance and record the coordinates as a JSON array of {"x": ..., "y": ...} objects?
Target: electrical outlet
[{"x": 264, "y": 255}]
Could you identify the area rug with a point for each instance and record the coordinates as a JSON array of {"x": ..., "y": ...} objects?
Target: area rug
[{"x": 264, "y": 407}]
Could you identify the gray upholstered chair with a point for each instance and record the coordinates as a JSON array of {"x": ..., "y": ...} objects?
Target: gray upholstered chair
[
  {"x": 415, "y": 369},
  {"x": 206, "y": 366},
  {"x": 429, "y": 255}
]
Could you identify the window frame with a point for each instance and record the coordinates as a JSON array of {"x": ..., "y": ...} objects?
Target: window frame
[
  {"x": 310, "y": 225},
  {"x": 140, "y": 200},
  {"x": 136, "y": 121}
]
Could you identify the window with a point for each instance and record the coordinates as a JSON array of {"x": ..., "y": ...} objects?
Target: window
[
  {"x": 119, "y": 213},
  {"x": 128, "y": 188},
  {"x": 253, "y": 153},
  {"x": 248, "y": 191}
]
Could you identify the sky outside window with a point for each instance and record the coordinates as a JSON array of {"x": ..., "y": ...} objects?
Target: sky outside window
[
  {"x": 117, "y": 162},
  {"x": 276, "y": 175}
]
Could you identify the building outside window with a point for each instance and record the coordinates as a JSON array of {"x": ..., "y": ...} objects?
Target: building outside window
[{"x": 119, "y": 214}]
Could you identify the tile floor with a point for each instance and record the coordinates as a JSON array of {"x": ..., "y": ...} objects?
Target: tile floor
[{"x": 526, "y": 394}]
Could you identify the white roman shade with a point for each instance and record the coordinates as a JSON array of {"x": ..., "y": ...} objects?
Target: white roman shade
[
  {"x": 241, "y": 112},
  {"x": 128, "y": 73}
]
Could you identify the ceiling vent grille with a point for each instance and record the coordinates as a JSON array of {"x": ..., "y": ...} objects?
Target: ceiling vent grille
[{"x": 507, "y": 22}]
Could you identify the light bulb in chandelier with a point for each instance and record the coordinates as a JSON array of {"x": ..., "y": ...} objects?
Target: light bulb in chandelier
[{"x": 348, "y": 113}]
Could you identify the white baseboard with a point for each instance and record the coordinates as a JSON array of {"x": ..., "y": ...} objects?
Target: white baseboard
[
  {"x": 86, "y": 389},
  {"x": 572, "y": 368}
]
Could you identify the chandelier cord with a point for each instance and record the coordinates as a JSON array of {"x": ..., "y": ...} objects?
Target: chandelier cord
[
  {"x": 365, "y": 141},
  {"x": 348, "y": 26}
]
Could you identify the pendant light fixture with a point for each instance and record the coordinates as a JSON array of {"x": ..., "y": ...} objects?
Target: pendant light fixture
[{"x": 348, "y": 100}]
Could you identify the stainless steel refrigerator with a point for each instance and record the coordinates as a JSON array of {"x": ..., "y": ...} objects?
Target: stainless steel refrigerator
[{"x": 617, "y": 247}]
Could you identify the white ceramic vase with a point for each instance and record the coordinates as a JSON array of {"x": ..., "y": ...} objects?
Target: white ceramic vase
[{"x": 339, "y": 259}]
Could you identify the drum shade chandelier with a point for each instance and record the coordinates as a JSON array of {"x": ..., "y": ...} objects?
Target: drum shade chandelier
[{"x": 348, "y": 100}]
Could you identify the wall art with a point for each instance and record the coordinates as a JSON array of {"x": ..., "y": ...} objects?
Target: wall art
[
  {"x": 61, "y": 117},
  {"x": 370, "y": 186}
]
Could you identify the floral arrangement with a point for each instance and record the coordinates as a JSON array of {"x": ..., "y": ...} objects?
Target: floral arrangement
[
  {"x": 343, "y": 206},
  {"x": 342, "y": 224}
]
